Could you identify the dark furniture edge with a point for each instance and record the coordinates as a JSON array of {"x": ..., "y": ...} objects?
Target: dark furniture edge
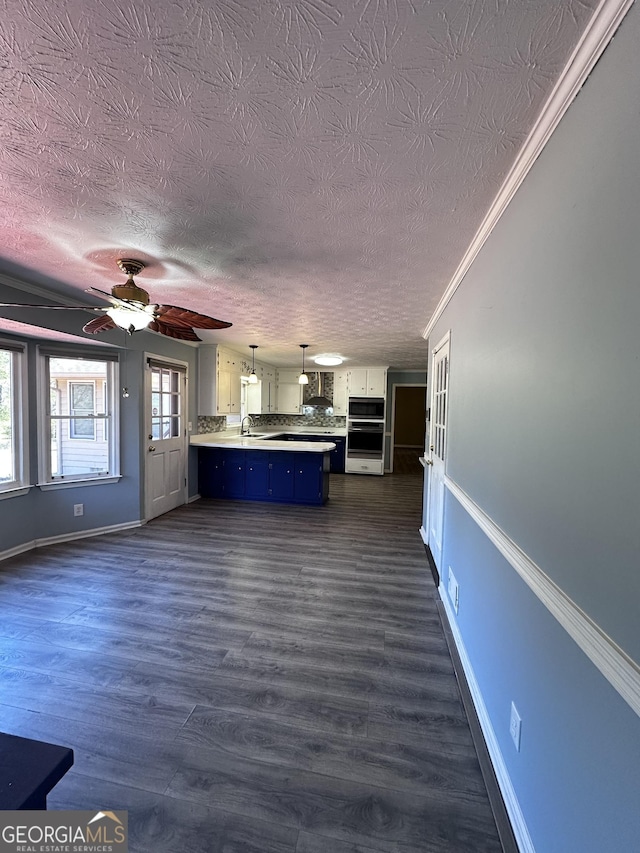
[{"x": 29, "y": 770}]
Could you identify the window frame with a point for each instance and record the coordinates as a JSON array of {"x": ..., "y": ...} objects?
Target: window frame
[
  {"x": 19, "y": 485},
  {"x": 110, "y": 419}
]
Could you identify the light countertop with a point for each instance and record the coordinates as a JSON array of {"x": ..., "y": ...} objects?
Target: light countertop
[{"x": 256, "y": 441}]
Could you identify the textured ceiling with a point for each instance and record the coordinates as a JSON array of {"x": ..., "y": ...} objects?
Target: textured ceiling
[{"x": 310, "y": 170}]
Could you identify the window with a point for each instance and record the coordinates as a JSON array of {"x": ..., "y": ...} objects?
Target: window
[
  {"x": 13, "y": 468},
  {"x": 80, "y": 404}
]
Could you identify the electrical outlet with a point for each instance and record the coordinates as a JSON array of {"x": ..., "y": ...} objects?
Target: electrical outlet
[
  {"x": 78, "y": 509},
  {"x": 515, "y": 726},
  {"x": 453, "y": 590}
]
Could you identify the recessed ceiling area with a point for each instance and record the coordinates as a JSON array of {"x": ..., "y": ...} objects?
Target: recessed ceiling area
[{"x": 309, "y": 170}]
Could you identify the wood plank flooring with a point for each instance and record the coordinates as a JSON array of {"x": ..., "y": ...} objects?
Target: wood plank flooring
[{"x": 250, "y": 678}]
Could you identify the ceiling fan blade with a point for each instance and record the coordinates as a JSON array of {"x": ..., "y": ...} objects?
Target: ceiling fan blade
[
  {"x": 114, "y": 300},
  {"x": 50, "y": 307},
  {"x": 183, "y": 317},
  {"x": 181, "y": 333},
  {"x": 99, "y": 324}
]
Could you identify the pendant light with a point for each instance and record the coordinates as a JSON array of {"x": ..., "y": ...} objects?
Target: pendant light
[
  {"x": 253, "y": 379},
  {"x": 303, "y": 379}
]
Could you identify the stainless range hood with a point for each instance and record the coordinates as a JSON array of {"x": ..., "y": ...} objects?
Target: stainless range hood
[{"x": 319, "y": 401}]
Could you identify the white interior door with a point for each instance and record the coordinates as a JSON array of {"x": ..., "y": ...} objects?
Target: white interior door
[
  {"x": 166, "y": 447},
  {"x": 438, "y": 449}
]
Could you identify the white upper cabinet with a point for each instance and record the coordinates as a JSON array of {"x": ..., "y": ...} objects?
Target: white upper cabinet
[
  {"x": 261, "y": 398},
  {"x": 289, "y": 392},
  {"x": 367, "y": 382},
  {"x": 207, "y": 379},
  {"x": 340, "y": 392},
  {"x": 219, "y": 384},
  {"x": 229, "y": 384}
]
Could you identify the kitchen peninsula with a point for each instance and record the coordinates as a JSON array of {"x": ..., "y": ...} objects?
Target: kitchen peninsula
[{"x": 263, "y": 467}]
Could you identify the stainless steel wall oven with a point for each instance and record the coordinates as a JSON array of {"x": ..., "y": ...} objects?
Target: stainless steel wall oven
[{"x": 369, "y": 408}]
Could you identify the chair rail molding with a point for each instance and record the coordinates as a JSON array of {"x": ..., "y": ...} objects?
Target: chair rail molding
[{"x": 620, "y": 670}]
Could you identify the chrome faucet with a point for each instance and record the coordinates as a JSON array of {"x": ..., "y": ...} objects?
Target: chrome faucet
[{"x": 251, "y": 423}]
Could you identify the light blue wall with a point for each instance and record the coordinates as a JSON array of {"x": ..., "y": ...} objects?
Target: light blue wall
[
  {"x": 44, "y": 514},
  {"x": 577, "y": 775},
  {"x": 544, "y": 429}
]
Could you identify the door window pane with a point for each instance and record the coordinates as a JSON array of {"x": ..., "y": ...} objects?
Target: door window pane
[{"x": 165, "y": 403}]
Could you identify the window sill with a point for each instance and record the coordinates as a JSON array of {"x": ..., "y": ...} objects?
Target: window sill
[
  {"x": 14, "y": 492},
  {"x": 72, "y": 484}
]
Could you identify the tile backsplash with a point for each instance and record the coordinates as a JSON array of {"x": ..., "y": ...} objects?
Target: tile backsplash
[
  {"x": 211, "y": 423},
  {"x": 219, "y": 424},
  {"x": 300, "y": 420}
]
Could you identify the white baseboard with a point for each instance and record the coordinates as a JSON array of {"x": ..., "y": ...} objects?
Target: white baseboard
[
  {"x": 68, "y": 537},
  {"x": 193, "y": 498},
  {"x": 424, "y": 536},
  {"x": 18, "y": 549},
  {"x": 518, "y": 823}
]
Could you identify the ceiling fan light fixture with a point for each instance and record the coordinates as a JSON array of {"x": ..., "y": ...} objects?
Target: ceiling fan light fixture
[
  {"x": 128, "y": 319},
  {"x": 303, "y": 379}
]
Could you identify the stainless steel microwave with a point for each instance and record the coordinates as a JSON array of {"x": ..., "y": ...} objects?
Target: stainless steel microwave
[{"x": 367, "y": 408}]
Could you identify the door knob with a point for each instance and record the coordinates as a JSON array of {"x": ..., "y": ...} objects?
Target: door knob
[{"x": 151, "y": 448}]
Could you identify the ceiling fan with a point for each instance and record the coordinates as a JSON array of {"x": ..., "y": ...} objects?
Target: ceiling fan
[{"x": 131, "y": 310}]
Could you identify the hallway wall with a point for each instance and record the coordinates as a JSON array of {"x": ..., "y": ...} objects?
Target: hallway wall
[{"x": 543, "y": 465}]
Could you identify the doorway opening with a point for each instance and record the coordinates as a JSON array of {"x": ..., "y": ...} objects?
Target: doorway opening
[{"x": 408, "y": 429}]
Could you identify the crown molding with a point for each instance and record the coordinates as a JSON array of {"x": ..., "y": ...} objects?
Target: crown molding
[{"x": 601, "y": 28}]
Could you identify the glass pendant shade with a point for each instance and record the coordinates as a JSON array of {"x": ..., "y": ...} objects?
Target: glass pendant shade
[
  {"x": 303, "y": 379},
  {"x": 253, "y": 379}
]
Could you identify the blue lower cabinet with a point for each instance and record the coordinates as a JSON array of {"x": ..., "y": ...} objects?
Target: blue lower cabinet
[
  {"x": 210, "y": 472},
  {"x": 283, "y": 476},
  {"x": 256, "y": 474},
  {"x": 338, "y": 455},
  {"x": 234, "y": 473},
  {"x": 309, "y": 477}
]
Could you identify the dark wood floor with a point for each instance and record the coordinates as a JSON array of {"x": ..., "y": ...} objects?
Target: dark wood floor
[
  {"x": 250, "y": 677},
  {"x": 406, "y": 460}
]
